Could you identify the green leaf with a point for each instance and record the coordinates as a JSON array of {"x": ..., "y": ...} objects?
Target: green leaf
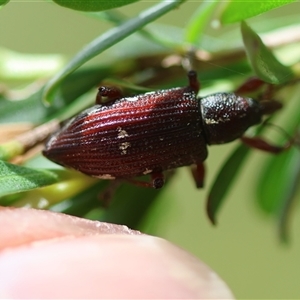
[
  {"x": 130, "y": 210},
  {"x": 23, "y": 66},
  {"x": 69, "y": 185},
  {"x": 277, "y": 186},
  {"x": 224, "y": 180},
  {"x": 290, "y": 195},
  {"x": 27, "y": 110},
  {"x": 82, "y": 203},
  {"x": 236, "y": 11},
  {"x": 264, "y": 63},
  {"x": 167, "y": 36},
  {"x": 108, "y": 39},
  {"x": 199, "y": 21},
  {"x": 124, "y": 208},
  {"x": 32, "y": 110},
  {"x": 3, "y": 2},
  {"x": 14, "y": 179},
  {"x": 274, "y": 182},
  {"x": 93, "y": 5}
]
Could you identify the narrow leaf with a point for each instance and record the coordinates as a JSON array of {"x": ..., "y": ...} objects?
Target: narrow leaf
[
  {"x": 108, "y": 39},
  {"x": 3, "y": 2},
  {"x": 199, "y": 21},
  {"x": 24, "y": 66},
  {"x": 236, "y": 11},
  {"x": 14, "y": 179},
  {"x": 264, "y": 63},
  {"x": 224, "y": 180},
  {"x": 275, "y": 181},
  {"x": 93, "y": 5},
  {"x": 32, "y": 110},
  {"x": 293, "y": 171},
  {"x": 25, "y": 110},
  {"x": 130, "y": 210}
]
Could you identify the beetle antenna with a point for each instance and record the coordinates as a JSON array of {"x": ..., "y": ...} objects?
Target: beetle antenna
[
  {"x": 279, "y": 129},
  {"x": 194, "y": 83}
]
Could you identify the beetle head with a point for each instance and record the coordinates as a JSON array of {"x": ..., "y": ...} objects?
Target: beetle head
[{"x": 226, "y": 116}]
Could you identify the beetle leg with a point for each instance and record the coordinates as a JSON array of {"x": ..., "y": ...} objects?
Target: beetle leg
[
  {"x": 253, "y": 84},
  {"x": 157, "y": 181},
  {"x": 111, "y": 94},
  {"x": 198, "y": 172},
  {"x": 250, "y": 85},
  {"x": 106, "y": 196},
  {"x": 261, "y": 144}
]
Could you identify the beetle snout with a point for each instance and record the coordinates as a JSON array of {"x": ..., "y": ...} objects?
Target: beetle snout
[{"x": 269, "y": 106}]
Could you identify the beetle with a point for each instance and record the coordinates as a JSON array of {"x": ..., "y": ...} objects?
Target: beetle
[{"x": 128, "y": 137}]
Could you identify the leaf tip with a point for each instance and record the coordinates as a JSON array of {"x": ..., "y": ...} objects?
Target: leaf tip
[{"x": 210, "y": 211}]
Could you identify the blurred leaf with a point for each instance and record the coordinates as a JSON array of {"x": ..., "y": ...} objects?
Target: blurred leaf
[
  {"x": 69, "y": 185},
  {"x": 108, "y": 39},
  {"x": 289, "y": 198},
  {"x": 82, "y": 203},
  {"x": 23, "y": 66},
  {"x": 32, "y": 110},
  {"x": 264, "y": 63},
  {"x": 93, "y": 5},
  {"x": 236, "y": 11},
  {"x": 198, "y": 22},
  {"x": 277, "y": 185},
  {"x": 224, "y": 180},
  {"x": 28, "y": 110},
  {"x": 130, "y": 204},
  {"x": 275, "y": 181},
  {"x": 3, "y": 2},
  {"x": 279, "y": 180},
  {"x": 166, "y": 36},
  {"x": 15, "y": 179},
  {"x": 10, "y": 150},
  {"x": 112, "y": 16}
]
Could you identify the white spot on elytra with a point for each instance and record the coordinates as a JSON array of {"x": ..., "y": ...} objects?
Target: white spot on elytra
[
  {"x": 134, "y": 98},
  {"x": 147, "y": 171},
  {"x": 211, "y": 121},
  {"x": 121, "y": 133},
  {"x": 123, "y": 147},
  {"x": 214, "y": 121}
]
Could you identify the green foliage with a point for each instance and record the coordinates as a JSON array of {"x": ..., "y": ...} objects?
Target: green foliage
[
  {"x": 107, "y": 40},
  {"x": 3, "y": 2},
  {"x": 15, "y": 179},
  {"x": 93, "y": 5},
  {"x": 225, "y": 179},
  {"x": 199, "y": 21},
  {"x": 141, "y": 58},
  {"x": 263, "y": 62},
  {"x": 235, "y": 11}
]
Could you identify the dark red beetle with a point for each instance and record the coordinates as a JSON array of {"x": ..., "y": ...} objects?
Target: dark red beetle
[{"x": 154, "y": 132}]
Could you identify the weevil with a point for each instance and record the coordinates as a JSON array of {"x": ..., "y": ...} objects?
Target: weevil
[{"x": 128, "y": 137}]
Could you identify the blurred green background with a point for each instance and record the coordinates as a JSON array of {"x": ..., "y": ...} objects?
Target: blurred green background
[{"x": 244, "y": 248}]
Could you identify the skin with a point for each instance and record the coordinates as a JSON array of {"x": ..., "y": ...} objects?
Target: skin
[{"x": 50, "y": 255}]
